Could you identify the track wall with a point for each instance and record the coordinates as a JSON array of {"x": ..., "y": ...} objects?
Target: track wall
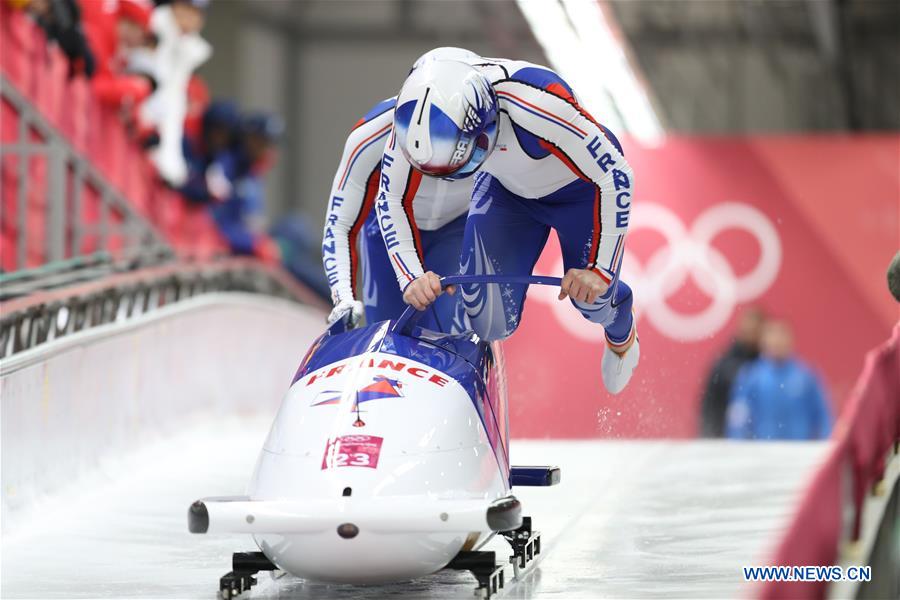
[{"x": 71, "y": 403}]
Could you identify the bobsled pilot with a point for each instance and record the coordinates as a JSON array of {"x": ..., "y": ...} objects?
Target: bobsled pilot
[
  {"x": 543, "y": 163},
  {"x": 434, "y": 209}
]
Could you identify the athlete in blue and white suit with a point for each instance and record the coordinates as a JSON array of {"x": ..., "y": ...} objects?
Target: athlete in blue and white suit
[
  {"x": 434, "y": 209},
  {"x": 543, "y": 162}
]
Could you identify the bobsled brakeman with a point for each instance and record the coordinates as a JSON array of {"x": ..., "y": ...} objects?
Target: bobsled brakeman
[{"x": 388, "y": 460}]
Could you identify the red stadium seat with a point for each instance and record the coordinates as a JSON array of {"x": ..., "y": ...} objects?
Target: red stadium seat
[{"x": 39, "y": 71}]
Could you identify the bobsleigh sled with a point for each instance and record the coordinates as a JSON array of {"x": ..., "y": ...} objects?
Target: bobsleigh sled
[{"x": 388, "y": 460}]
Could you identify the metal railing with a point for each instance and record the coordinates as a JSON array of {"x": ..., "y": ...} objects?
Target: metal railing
[
  {"x": 73, "y": 270},
  {"x": 33, "y": 320},
  {"x": 68, "y": 174}
]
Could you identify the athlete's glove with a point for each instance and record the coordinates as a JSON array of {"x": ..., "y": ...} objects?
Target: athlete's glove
[{"x": 353, "y": 309}]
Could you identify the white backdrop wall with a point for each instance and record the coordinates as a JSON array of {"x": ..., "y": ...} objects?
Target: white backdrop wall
[
  {"x": 322, "y": 64},
  {"x": 73, "y": 402}
]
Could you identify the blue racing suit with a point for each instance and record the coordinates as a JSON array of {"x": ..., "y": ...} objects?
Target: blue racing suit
[{"x": 553, "y": 167}]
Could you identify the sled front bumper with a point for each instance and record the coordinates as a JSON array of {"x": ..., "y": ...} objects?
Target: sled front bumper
[{"x": 240, "y": 514}]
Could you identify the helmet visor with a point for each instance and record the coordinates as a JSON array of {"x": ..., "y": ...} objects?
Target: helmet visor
[
  {"x": 470, "y": 154},
  {"x": 481, "y": 149},
  {"x": 465, "y": 147}
]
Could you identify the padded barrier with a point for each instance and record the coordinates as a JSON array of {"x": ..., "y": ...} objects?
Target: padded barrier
[
  {"x": 72, "y": 402},
  {"x": 830, "y": 512}
]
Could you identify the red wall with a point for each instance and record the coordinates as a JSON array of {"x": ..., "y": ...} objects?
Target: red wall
[{"x": 826, "y": 208}]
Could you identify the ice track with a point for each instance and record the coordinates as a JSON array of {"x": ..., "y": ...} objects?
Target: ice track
[{"x": 630, "y": 519}]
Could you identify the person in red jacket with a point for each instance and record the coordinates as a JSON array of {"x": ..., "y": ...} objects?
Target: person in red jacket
[{"x": 114, "y": 30}]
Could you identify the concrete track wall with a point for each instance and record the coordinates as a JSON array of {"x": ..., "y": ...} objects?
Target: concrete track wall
[{"x": 70, "y": 403}]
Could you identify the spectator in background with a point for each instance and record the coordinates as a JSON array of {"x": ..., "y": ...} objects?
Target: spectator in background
[
  {"x": 241, "y": 217},
  {"x": 893, "y": 277},
  {"x": 778, "y": 397},
  {"x": 744, "y": 348},
  {"x": 207, "y": 155},
  {"x": 179, "y": 51},
  {"x": 61, "y": 22},
  {"x": 198, "y": 101},
  {"x": 115, "y": 30}
]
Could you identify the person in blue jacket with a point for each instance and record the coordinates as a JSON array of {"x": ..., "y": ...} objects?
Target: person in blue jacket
[
  {"x": 241, "y": 215},
  {"x": 207, "y": 182},
  {"x": 778, "y": 397}
]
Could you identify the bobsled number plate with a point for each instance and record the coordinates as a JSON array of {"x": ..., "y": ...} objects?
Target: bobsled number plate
[{"x": 352, "y": 451}]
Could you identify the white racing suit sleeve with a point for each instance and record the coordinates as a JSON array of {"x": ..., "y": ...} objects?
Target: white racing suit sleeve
[
  {"x": 587, "y": 148},
  {"x": 352, "y": 196},
  {"x": 394, "y": 209}
]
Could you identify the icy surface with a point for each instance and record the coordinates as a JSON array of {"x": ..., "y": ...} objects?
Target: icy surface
[{"x": 630, "y": 519}]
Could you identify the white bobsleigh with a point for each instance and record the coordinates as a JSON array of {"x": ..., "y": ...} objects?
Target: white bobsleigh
[{"x": 388, "y": 460}]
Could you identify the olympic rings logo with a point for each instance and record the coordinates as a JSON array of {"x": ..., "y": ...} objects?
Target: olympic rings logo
[{"x": 686, "y": 253}]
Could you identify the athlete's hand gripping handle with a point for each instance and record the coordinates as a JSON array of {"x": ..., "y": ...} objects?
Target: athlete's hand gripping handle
[
  {"x": 582, "y": 285},
  {"x": 424, "y": 290}
]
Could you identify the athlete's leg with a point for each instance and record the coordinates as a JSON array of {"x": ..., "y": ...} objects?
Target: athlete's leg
[
  {"x": 441, "y": 248},
  {"x": 381, "y": 294},
  {"x": 571, "y": 213},
  {"x": 501, "y": 237}
]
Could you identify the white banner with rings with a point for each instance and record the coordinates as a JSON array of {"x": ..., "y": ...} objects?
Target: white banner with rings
[{"x": 687, "y": 253}]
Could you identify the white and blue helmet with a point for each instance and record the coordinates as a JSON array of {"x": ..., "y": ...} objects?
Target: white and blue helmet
[
  {"x": 446, "y": 118},
  {"x": 447, "y": 53}
]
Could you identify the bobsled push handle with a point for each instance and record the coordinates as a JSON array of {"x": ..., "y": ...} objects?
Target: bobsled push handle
[
  {"x": 524, "y": 279},
  {"x": 402, "y": 325}
]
